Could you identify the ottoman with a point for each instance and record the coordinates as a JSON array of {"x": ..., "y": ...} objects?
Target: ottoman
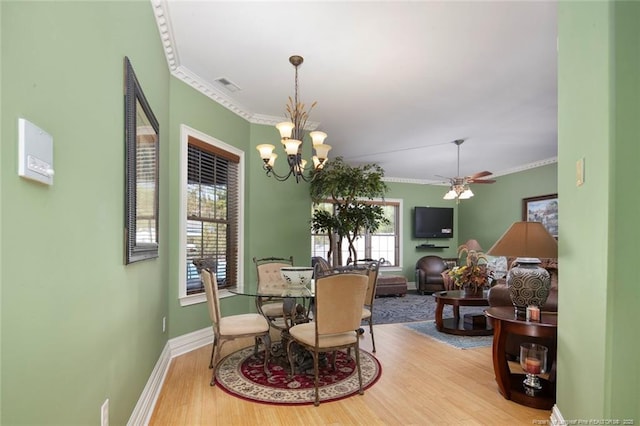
[{"x": 391, "y": 285}]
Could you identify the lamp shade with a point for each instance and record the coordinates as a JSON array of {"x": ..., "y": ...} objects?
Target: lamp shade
[
  {"x": 525, "y": 239},
  {"x": 473, "y": 245}
]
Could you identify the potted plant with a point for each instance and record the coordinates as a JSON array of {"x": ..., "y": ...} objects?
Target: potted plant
[
  {"x": 475, "y": 274},
  {"x": 349, "y": 189}
]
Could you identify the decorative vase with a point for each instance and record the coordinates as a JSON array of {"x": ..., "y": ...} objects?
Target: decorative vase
[{"x": 528, "y": 284}]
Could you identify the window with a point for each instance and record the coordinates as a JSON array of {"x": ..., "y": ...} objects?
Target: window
[
  {"x": 384, "y": 243},
  {"x": 211, "y": 215}
]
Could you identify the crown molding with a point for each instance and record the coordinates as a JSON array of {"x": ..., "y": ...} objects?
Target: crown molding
[
  {"x": 521, "y": 168},
  {"x": 200, "y": 84}
]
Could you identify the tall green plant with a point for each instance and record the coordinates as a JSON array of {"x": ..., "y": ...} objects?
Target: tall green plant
[{"x": 350, "y": 189}]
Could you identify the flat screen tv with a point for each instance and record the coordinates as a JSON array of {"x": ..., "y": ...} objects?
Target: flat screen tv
[{"x": 433, "y": 222}]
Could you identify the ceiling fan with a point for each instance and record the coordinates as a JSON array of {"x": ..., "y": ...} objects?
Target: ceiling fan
[{"x": 459, "y": 189}]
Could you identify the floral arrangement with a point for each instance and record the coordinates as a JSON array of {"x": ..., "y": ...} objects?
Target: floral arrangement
[{"x": 474, "y": 273}]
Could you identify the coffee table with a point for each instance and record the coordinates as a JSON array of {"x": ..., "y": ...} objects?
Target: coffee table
[
  {"x": 456, "y": 324},
  {"x": 510, "y": 384}
]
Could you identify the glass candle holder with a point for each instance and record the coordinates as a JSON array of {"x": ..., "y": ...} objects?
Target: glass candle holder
[{"x": 533, "y": 360}]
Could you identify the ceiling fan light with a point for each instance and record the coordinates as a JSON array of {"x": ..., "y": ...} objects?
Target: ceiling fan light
[
  {"x": 466, "y": 194},
  {"x": 451, "y": 195}
]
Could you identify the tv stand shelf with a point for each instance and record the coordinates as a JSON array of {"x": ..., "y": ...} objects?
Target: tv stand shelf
[{"x": 426, "y": 246}]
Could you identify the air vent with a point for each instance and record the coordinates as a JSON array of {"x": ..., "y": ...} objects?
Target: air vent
[{"x": 227, "y": 84}]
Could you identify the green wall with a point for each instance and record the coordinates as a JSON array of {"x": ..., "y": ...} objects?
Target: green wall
[
  {"x": 598, "y": 100},
  {"x": 77, "y": 325},
  {"x": 483, "y": 217},
  {"x": 82, "y": 327},
  {"x": 413, "y": 195},
  {"x": 276, "y": 213}
]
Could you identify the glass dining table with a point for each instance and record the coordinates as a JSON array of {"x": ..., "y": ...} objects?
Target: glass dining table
[{"x": 297, "y": 301}]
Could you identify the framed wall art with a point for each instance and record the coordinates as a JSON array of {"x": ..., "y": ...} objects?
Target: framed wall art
[
  {"x": 141, "y": 172},
  {"x": 544, "y": 209}
]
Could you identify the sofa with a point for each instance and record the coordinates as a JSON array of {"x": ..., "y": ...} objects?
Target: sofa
[{"x": 499, "y": 296}]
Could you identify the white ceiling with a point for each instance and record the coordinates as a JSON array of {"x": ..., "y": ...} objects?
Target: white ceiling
[{"x": 396, "y": 82}]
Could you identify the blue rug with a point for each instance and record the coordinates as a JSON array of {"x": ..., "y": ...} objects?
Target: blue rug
[{"x": 428, "y": 328}]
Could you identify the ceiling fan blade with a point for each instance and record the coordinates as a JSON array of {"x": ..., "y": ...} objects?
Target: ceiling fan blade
[
  {"x": 479, "y": 175},
  {"x": 481, "y": 181}
]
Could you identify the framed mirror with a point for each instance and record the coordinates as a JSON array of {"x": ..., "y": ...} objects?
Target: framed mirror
[{"x": 142, "y": 133}]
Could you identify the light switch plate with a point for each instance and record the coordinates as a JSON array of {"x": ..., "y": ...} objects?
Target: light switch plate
[
  {"x": 35, "y": 153},
  {"x": 580, "y": 172}
]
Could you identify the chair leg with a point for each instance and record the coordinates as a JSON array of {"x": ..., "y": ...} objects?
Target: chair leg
[
  {"x": 373, "y": 340},
  {"x": 266, "y": 341},
  {"x": 317, "y": 378},
  {"x": 213, "y": 350},
  {"x": 290, "y": 356},
  {"x": 214, "y": 364},
  {"x": 357, "y": 349}
]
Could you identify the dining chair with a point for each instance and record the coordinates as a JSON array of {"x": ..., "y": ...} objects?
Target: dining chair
[
  {"x": 270, "y": 280},
  {"x": 337, "y": 315},
  {"x": 373, "y": 267},
  {"x": 232, "y": 327},
  {"x": 370, "y": 268}
]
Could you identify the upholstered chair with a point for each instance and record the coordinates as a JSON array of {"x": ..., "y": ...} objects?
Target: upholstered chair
[
  {"x": 270, "y": 280},
  {"x": 337, "y": 315},
  {"x": 232, "y": 327},
  {"x": 429, "y": 271}
]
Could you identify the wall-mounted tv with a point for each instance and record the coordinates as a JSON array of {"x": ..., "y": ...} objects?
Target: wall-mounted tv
[{"x": 433, "y": 222}]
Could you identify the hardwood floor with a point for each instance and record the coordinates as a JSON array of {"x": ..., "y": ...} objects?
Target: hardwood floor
[{"x": 423, "y": 382}]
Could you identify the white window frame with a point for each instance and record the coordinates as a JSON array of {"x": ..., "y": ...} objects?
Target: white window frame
[
  {"x": 400, "y": 222},
  {"x": 185, "y": 133}
]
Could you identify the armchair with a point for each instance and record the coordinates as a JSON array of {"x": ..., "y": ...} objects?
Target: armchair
[{"x": 429, "y": 271}]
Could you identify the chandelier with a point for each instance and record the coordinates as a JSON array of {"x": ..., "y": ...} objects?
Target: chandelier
[{"x": 292, "y": 134}]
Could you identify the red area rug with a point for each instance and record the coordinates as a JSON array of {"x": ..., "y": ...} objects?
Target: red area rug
[{"x": 241, "y": 374}]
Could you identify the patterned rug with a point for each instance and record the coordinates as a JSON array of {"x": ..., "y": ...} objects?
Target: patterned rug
[
  {"x": 241, "y": 374},
  {"x": 428, "y": 328},
  {"x": 410, "y": 308}
]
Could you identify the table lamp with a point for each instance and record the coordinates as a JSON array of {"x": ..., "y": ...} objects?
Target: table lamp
[{"x": 528, "y": 283}]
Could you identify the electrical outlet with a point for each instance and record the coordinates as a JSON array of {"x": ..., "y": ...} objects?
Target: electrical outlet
[
  {"x": 164, "y": 324},
  {"x": 104, "y": 413}
]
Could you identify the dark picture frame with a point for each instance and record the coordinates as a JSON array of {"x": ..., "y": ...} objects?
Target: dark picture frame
[
  {"x": 142, "y": 136},
  {"x": 544, "y": 209}
]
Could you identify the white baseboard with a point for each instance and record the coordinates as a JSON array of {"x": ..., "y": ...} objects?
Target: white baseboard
[
  {"x": 556, "y": 416},
  {"x": 180, "y": 345},
  {"x": 411, "y": 285}
]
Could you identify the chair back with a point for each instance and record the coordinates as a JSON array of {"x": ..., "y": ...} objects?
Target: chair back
[
  {"x": 368, "y": 267},
  {"x": 269, "y": 276},
  {"x": 213, "y": 301},
  {"x": 338, "y": 302}
]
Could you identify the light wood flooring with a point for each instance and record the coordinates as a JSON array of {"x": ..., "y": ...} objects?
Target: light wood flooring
[{"x": 424, "y": 382}]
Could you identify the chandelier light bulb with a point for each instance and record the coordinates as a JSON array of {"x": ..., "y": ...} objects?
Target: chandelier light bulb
[
  {"x": 285, "y": 128},
  {"x": 265, "y": 150},
  {"x": 322, "y": 151},
  {"x": 272, "y": 160},
  {"x": 291, "y": 146},
  {"x": 317, "y": 137}
]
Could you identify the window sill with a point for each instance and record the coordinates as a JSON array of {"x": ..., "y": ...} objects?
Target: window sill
[{"x": 194, "y": 299}]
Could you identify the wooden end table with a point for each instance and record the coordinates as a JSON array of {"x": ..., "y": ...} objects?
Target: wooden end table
[
  {"x": 510, "y": 384},
  {"x": 456, "y": 324}
]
